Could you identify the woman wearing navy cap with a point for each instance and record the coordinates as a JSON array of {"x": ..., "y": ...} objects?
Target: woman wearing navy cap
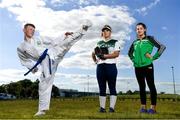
[{"x": 104, "y": 55}]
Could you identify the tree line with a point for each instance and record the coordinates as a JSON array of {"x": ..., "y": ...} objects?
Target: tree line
[{"x": 25, "y": 89}]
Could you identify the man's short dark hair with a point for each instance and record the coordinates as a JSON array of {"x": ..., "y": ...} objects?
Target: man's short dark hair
[{"x": 29, "y": 24}]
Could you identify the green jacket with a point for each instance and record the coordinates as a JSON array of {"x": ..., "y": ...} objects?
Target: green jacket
[{"x": 139, "y": 48}]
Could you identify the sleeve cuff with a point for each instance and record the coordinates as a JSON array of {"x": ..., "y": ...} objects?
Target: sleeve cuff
[{"x": 156, "y": 56}]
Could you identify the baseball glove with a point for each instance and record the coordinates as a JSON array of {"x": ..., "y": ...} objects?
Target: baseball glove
[{"x": 100, "y": 52}]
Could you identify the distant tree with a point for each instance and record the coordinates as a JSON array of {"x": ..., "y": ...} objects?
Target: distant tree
[
  {"x": 34, "y": 89},
  {"x": 129, "y": 92},
  {"x": 120, "y": 93},
  {"x": 162, "y": 92},
  {"x": 55, "y": 91},
  {"x": 2, "y": 89},
  {"x": 25, "y": 89},
  {"x": 136, "y": 92}
]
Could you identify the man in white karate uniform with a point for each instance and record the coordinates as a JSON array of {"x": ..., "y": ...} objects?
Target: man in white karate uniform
[{"x": 48, "y": 54}]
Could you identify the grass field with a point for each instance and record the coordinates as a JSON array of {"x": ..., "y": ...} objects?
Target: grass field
[{"x": 86, "y": 108}]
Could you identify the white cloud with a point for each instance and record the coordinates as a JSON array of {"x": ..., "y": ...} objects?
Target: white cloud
[
  {"x": 87, "y": 2},
  {"x": 123, "y": 62},
  {"x": 78, "y": 3},
  {"x": 144, "y": 10},
  {"x": 80, "y": 60},
  {"x": 56, "y": 3},
  {"x": 168, "y": 87},
  {"x": 9, "y": 75},
  {"x": 164, "y": 28},
  {"x": 53, "y": 23},
  {"x": 84, "y": 61},
  {"x": 21, "y": 3},
  {"x": 168, "y": 83}
]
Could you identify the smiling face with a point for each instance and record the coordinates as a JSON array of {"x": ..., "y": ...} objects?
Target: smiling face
[
  {"x": 140, "y": 30},
  {"x": 106, "y": 33}
]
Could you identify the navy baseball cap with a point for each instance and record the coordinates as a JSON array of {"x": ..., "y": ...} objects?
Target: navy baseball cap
[{"x": 106, "y": 27}]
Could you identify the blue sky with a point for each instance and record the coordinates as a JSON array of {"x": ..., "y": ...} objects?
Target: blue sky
[{"x": 54, "y": 17}]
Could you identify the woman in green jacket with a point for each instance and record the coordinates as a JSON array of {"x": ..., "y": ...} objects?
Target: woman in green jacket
[{"x": 140, "y": 54}]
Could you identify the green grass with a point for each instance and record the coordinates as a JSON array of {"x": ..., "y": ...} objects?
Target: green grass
[{"x": 85, "y": 108}]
